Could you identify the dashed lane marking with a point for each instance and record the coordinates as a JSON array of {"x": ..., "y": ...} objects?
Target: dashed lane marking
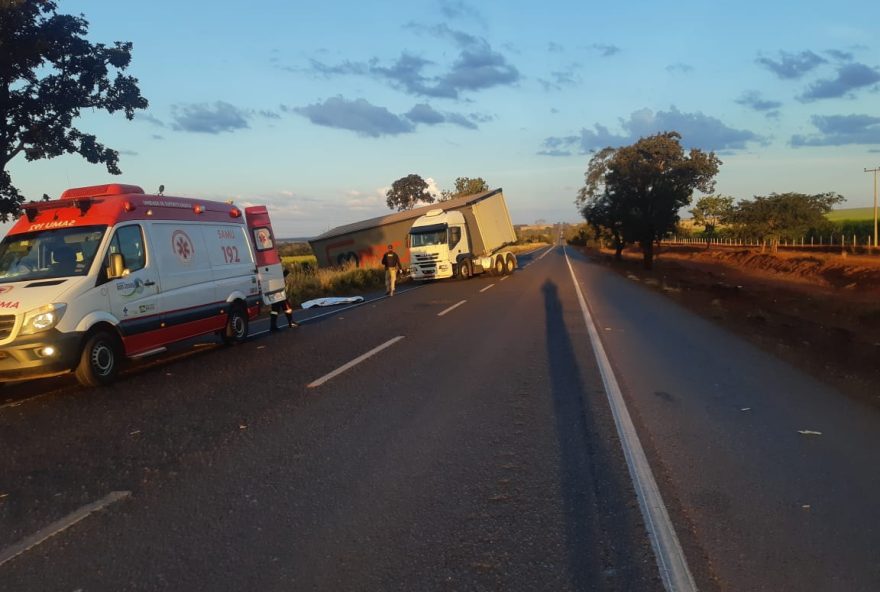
[
  {"x": 354, "y": 362},
  {"x": 544, "y": 254},
  {"x": 60, "y": 525},
  {"x": 451, "y": 308},
  {"x": 671, "y": 561},
  {"x": 486, "y": 288}
]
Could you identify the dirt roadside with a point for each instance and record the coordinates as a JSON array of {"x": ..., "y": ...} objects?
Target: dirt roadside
[{"x": 819, "y": 312}]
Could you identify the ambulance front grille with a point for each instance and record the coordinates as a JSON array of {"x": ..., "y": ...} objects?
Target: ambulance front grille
[{"x": 7, "y": 322}]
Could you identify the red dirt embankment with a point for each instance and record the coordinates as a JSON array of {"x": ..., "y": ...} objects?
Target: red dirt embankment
[
  {"x": 818, "y": 311},
  {"x": 859, "y": 273}
]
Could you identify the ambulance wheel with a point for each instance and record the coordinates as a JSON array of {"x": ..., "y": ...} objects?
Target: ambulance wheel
[
  {"x": 510, "y": 264},
  {"x": 499, "y": 265},
  {"x": 236, "y": 326},
  {"x": 99, "y": 360}
]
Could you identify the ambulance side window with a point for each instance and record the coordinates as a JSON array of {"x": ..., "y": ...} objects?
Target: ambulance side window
[{"x": 128, "y": 240}]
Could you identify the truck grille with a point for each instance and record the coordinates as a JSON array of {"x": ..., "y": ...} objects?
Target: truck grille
[
  {"x": 7, "y": 322},
  {"x": 426, "y": 258}
]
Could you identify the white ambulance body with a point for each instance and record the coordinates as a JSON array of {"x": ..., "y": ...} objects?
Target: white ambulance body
[{"x": 106, "y": 272}]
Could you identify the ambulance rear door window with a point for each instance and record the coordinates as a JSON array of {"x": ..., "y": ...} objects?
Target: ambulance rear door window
[{"x": 263, "y": 238}]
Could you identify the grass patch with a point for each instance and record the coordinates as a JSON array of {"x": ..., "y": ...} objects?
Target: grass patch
[
  {"x": 307, "y": 282},
  {"x": 526, "y": 248},
  {"x": 299, "y": 260}
]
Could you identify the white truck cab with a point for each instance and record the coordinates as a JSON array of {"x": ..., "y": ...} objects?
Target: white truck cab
[
  {"x": 438, "y": 242},
  {"x": 463, "y": 242}
]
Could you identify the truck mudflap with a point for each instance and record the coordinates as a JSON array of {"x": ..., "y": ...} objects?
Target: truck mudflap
[{"x": 44, "y": 354}]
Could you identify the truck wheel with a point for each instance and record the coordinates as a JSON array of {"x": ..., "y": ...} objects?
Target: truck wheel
[
  {"x": 99, "y": 360},
  {"x": 236, "y": 326},
  {"x": 464, "y": 269},
  {"x": 499, "y": 267},
  {"x": 510, "y": 264}
]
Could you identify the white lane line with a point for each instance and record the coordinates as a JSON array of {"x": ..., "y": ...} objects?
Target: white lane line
[
  {"x": 12, "y": 404},
  {"x": 544, "y": 254},
  {"x": 451, "y": 308},
  {"x": 671, "y": 561},
  {"x": 504, "y": 278},
  {"x": 60, "y": 525},
  {"x": 486, "y": 288},
  {"x": 354, "y": 362}
]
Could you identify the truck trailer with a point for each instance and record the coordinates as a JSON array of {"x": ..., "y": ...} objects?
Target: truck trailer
[
  {"x": 464, "y": 241},
  {"x": 364, "y": 242}
]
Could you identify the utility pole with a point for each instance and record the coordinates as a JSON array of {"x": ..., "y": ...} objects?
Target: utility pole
[{"x": 874, "y": 170}]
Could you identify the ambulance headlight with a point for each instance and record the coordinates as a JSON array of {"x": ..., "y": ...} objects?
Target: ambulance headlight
[{"x": 43, "y": 318}]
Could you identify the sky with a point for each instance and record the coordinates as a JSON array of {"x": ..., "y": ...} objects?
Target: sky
[{"x": 315, "y": 109}]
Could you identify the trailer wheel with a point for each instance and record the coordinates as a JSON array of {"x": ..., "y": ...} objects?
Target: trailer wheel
[
  {"x": 499, "y": 267},
  {"x": 99, "y": 360},
  {"x": 464, "y": 269},
  {"x": 510, "y": 264},
  {"x": 236, "y": 326}
]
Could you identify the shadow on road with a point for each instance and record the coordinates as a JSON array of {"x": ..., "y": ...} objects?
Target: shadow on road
[{"x": 599, "y": 528}]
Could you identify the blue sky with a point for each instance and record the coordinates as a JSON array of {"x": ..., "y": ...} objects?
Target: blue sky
[{"x": 316, "y": 108}]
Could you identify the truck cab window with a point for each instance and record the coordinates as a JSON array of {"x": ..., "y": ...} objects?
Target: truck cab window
[
  {"x": 129, "y": 241},
  {"x": 454, "y": 236}
]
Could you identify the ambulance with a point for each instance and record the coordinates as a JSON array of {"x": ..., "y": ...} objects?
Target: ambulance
[{"x": 106, "y": 273}]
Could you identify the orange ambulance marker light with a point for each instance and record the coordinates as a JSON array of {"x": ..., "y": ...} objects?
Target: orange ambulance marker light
[
  {"x": 128, "y": 206},
  {"x": 235, "y": 213},
  {"x": 198, "y": 209}
]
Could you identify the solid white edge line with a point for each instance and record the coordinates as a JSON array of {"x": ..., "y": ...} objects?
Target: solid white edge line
[
  {"x": 453, "y": 307},
  {"x": 354, "y": 362},
  {"x": 486, "y": 288},
  {"x": 60, "y": 525},
  {"x": 674, "y": 570}
]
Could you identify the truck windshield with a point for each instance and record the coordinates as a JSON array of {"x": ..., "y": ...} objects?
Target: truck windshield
[
  {"x": 46, "y": 254},
  {"x": 428, "y": 235}
]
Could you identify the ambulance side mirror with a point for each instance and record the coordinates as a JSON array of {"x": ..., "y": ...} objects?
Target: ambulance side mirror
[{"x": 117, "y": 266}]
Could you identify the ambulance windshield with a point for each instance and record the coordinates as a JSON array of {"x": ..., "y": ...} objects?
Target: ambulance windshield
[{"x": 46, "y": 254}]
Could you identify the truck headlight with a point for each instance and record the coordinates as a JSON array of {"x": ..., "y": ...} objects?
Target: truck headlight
[{"x": 43, "y": 318}]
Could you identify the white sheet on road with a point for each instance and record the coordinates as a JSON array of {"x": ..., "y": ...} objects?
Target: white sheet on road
[{"x": 332, "y": 301}]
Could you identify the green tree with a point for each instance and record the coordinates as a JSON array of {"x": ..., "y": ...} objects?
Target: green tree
[
  {"x": 643, "y": 186},
  {"x": 712, "y": 210},
  {"x": 465, "y": 186},
  {"x": 783, "y": 215},
  {"x": 49, "y": 72},
  {"x": 407, "y": 191}
]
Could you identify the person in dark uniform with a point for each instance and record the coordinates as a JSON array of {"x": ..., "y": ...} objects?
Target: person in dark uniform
[
  {"x": 392, "y": 265},
  {"x": 282, "y": 305}
]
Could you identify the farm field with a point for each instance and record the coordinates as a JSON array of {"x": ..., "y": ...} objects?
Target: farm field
[{"x": 851, "y": 214}]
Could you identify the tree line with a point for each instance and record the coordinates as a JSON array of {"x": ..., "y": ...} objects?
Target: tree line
[
  {"x": 409, "y": 191},
  {"x": 633, "y": 195}
]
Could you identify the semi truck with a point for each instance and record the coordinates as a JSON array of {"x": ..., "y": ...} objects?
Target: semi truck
[
  {"x": 108, "y": 272},
  {"x": 463, "y": 242}
]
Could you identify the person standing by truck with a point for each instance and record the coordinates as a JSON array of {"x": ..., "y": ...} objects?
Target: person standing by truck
[{"x": 391, "y": 261}]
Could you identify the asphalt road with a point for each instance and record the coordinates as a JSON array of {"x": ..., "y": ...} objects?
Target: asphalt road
[{"x": 474, "y": 451}]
